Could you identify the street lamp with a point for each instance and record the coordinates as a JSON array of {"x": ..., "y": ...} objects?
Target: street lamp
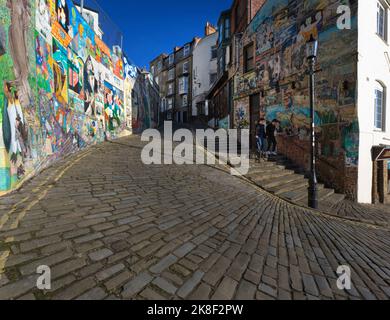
[{"x": 311, "y": 55}]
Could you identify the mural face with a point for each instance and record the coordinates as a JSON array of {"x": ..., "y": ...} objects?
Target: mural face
[
  {"x": 60, "y": 90},
  {"x": 43, "y": 19}
]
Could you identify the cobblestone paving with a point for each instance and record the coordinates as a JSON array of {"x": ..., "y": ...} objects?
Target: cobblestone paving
[
  {"x": 112, "y": 228},
  {"x": 378, "y": 213}
]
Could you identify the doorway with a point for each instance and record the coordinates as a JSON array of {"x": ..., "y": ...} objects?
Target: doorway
[{"x": 254, "y": 106}]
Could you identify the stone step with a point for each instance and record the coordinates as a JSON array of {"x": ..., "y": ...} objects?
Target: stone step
[
  {"x": 254, "y": 162},
  {"x": 323, "y": 197},
  {"x": 280, "y": 181},
  {"x": 270, "y": 176},
  {"x": 300, "y": 193},
  {"x": 325, "y": 193},
  {"x": 260, "y": 169},
  {"x": 283, "y": 178},
  {"x": 290, "y": 187}
]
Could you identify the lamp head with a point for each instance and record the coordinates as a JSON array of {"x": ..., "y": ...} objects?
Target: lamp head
[{"x": 311, "y": 48}]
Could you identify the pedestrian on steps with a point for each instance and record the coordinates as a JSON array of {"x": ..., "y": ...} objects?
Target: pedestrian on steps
[
  {"x": 271, "y": 137},
  {"x": 261, "y": 137}
]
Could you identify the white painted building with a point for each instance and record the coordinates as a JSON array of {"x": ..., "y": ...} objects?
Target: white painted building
[
  {"x": 373, "y": 99},
  {"x": 204, "y": 72}
]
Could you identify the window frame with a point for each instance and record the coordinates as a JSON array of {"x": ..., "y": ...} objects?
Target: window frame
[
  {"x": 215, "y": 75},
  {"x": 171, "y": 89},
  {"x": 186, "y": 70},
  {"x": 171, "y": 74},
  {"x": 383, "y": 32},
  {"x": 186, "y": 50},
  {"x": 214, "y": 53},
  {"x": 171, "y": 59},
  {"x": 380, "y": 88},
  {"x": 184, "y": 101},
  {"x": 169, "y": 103},
  {"x": 248, "y": 68},
  {"x": 227, "y": 28},
  {"x": 183, "y": 85}
]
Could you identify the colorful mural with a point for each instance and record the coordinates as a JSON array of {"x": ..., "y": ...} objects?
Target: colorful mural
[
  {"x": 280, "y": 31},
  {"x": 61, "y": 87}
]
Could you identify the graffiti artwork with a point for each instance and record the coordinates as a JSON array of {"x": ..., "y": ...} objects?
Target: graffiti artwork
[
  {"x": 60, "y": 90},
  {"x": 45, "y": 77},
  {"x": 76, "y": 74},
  {"x": 60, "y": 67},
  {"x": 280, "y": 31}
]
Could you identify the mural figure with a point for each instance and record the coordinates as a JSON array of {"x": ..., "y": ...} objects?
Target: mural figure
[
  {"x": 15, "y": 132},
  {"x": 60, "y": 68},
  {"x": 43, "y": 19},
  {"x": 89, "y": 88},
  {"x": 112, "y": 107},
  {"x": 20, "y": 21},
  {"x": 63, "y": 14}
]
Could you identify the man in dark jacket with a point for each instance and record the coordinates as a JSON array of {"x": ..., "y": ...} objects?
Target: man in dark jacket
[
  {"x": 261, "y": 136},
  {"x": 271, "y": 131}
]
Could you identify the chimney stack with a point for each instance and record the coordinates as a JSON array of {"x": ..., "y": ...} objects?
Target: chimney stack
[{"x": 209, "y": 29}]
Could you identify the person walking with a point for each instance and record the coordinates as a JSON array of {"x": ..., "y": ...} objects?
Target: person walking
[{"x": 271, "y": 137}]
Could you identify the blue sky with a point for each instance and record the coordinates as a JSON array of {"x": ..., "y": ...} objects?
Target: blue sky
[{"x": 151, "y": 27}]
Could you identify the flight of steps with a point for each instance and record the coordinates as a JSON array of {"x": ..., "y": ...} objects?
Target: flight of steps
[{"x": 282, "y": 178}]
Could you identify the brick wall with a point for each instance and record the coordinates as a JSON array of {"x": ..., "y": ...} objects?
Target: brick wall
[{"x": 255, "y": 6}]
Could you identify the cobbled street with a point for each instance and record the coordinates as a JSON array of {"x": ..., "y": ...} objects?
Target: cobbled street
[{"x": 110, "y": 227}]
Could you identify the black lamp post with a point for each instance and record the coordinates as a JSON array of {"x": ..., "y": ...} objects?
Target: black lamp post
[{"x": 311, "y": 54}]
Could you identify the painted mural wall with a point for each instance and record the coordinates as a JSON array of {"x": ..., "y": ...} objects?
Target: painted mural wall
[
  {"x": 61, "y": 87},
  {"x": 145, "y": 103},
  {"x": 279, "y": 32}
]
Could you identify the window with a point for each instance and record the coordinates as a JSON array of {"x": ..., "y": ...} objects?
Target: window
[
  {"x": 221, "y": 66},
  {"x": 249, "y": 61},
  {"x": 214, "y": 52},
  {"x": 187, "y": 48},
  {"x": 380, "y": 102},
  {"x": 227, "y": 28},
  {"x": 183, "y": 85},
  {"x": 186, "y": 67},
  {"x": 171, "y": 74},
  {"x": 170, "y": 89},
  {"x": 159, "y": 66},
  {"x": 213, "y": 78},
  {"x": 185, "y": 101},
  {"x": 220, "y": 33},
  {"x": 171, "y": 58},
  {"x": 170, "y": 104},
  {"x": 381, "y": 21}
]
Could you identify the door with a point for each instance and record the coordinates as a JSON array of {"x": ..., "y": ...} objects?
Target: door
[{"x": 254, "y": 106}]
